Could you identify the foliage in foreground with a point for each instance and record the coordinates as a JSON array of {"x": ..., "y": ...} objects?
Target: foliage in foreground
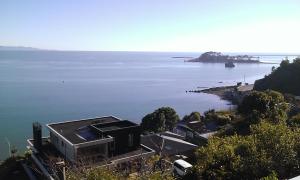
[
  {"x": 11, "y": 168},
  {"x": 267, "y": 150},
  {"x": 109, "y": 174},
  {"x": 92, "y": 174},
  {"x": 148, "y": 171}
]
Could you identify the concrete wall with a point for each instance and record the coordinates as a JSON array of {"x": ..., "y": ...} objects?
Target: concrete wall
[{"x": 63, "y": 146}]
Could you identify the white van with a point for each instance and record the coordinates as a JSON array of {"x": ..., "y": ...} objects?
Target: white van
[{"x": 181, "y": 167}]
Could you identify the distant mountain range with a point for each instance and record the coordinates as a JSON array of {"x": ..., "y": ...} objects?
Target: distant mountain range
[{"x": 17, "y": 48}]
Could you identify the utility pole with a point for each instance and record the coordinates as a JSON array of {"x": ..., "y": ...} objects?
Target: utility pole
[
  {"x": 9, "y": 149},
  {"x": 62, "y": 167}
]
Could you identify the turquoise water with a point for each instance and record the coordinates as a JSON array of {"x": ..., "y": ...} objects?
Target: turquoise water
[{"x": 52, "y": 86}]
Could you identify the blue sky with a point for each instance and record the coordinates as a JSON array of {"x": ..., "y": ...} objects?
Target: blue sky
[{"x": 156, "y": 25}]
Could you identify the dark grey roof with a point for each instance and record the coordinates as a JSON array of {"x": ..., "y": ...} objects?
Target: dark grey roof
[
  {"x": 172, "y": 145},
  {"x": 112, "y": 126},
  {"x": 171, "y": 134},
  {"x": 70, "y": 129}
]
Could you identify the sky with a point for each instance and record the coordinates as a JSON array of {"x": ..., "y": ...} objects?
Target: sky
[{"x": 152, "y": 25}]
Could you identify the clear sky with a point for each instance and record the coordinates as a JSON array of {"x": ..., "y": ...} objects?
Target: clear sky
[{"x": 152, "y": 25}]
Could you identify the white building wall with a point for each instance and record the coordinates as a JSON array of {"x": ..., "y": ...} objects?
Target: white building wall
[{"x": 63, "y": 146}]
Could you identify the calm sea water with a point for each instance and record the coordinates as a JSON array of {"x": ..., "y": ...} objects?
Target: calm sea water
[{"x": 52, "y": 86}]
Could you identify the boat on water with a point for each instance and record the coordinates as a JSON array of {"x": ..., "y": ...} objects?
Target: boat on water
[{"x": 229, "y": 64}]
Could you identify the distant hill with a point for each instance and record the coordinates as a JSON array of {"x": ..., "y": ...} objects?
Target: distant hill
[
  {"x": 17, "y": 48},
  {"x": 217, "y": 57},
  {"x": 285, "y": 79}
]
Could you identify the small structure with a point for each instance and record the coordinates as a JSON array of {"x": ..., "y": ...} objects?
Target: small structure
[
  {"x": 229, "y": 64},
  {"x": 37, "y": 135},
  {"x": 184, "y": 130},
  {"x": 245, "y": 88},
  {"x": 168, "y": 144},
  {"x": 241, "y": 92},
  {"x": 191, "y": 135}
]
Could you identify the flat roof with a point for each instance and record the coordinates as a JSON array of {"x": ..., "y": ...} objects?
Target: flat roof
[
  {"x": 79, "y": 131},
  {"x": 112, "y": 126}
]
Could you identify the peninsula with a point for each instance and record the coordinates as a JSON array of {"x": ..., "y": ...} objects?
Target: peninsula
[
  {"x": 234, "y": 93},
  {"x": 17, "y": 48},
  {"x": 217, "y": 57}
]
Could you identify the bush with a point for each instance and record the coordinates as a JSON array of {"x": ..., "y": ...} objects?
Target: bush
[
  {"x": 268, "y": 149},
  {"x": 268, "y": 105},
  {"x": 294, "y": 121},
  {"x": 162, "y": 119}
]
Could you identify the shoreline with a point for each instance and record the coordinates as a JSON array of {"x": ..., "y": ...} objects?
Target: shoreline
[
  {"x": 234, "y": 94},
  {"x": 260, "y": 62}
]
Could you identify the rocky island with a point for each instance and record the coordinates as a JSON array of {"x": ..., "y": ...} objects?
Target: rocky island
[{"x": 217, "y": 57}]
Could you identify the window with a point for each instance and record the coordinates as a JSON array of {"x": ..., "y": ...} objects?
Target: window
[
  {"x": 130, "y": 140},
  {"x": 62, "y": 143}
]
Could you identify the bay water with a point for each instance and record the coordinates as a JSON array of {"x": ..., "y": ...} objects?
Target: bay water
[{"x": 54, "y": 86}]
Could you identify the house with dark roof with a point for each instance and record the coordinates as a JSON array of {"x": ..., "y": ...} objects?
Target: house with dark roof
[{"x": 105, "y": 139}]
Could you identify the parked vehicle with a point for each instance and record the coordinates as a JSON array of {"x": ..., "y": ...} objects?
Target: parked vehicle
[{"x": 181, "y": 167}]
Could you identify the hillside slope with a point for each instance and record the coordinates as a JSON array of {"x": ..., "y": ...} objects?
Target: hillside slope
[{"x": 285, "y": 79}]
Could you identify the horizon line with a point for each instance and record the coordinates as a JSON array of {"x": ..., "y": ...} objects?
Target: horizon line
[{"x": 30, "y": 48}]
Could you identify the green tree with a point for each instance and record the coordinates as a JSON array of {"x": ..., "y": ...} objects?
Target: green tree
[
  {"x": 220, "y": 117},
  {"x": 269, "y": 149},
  {"x": 284, "y": 63},
  {"x": 284, "y": 79},
  {"x": 272, "y": 176},
  {"x": 162, "y": 119},
  {"x": 268, "y": 105},
  {"x": 294, "y": 121},
  {"x": 280, "y": 144},
  {"x": 194, "y": 116}
]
